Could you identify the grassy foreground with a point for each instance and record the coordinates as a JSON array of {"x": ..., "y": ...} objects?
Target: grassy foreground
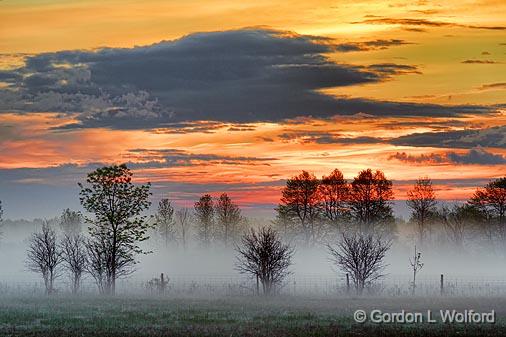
[{"x": 232, "y": 316}]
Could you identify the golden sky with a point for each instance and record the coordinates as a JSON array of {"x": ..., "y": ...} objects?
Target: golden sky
[{"x": 268, "y": 89}]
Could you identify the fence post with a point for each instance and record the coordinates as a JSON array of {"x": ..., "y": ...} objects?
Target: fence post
[
  {"x": 442, "y": 285},
  {"x": 347, "y": 283}
]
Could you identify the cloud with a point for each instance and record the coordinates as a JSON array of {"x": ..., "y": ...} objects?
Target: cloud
[
  {"x": 479, "y": 62},
  {"x": 493, "y": 86},
  {"x": 239, "y": 76},
  {"x": 369, "y": 45},
  {"x": 322, "y": 137},
  {"x": 489, "y": 137},
  {"x": 474, "y": 156},
  {"x": 410, "y": 22}
]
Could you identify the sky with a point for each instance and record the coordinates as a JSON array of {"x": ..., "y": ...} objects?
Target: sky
[{"x": 226, "y": 96}]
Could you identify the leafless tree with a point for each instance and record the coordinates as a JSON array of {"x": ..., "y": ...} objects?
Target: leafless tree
[
  {"x": 44, "y": 256},
  {"x": 165, "y": 225},
  {"x": 416, "y": 264},
  {"x": 229, "y": 219},
  {"x": 361, "y": 256},
  {"x": 74, "y": 258},
  {"x": 183, "y": 222},
  {"x": 263, "y": 256},
  {"x": 422, "y": 201},
  {"x": 70, "y": 222},
  {"x": 459, "y": 223},
  {"x": 204, "y": 214}
]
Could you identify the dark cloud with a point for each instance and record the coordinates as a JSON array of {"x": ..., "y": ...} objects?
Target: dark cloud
[
  {"x": 322, "y": 137},
  {"x": 479, "y": 62},
  {"x": 493, "y": 86},
  {"x": 369, "y": 45},
  {"x": 240, "y": 76},
  {"x": 409, "y": 22},
  {"x": 474, "y": 156},
  {"x": 490, "y": 137}
]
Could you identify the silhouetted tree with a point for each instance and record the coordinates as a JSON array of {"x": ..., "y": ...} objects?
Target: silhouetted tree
[
  {"x": 1, "y": 219},
  {"x": 263, "y": 256},
  {"x": 300, "y": 201},
  {"x": 70, "y": 222},
  {"x": 361, "y": 256},
  {"x": 283, "y": 222},
  {"x": 491, "y": 200},
  {"x": 74, "y": 258},
  {"x": 183, "y": 221},
  {"x": 229, "y": 219},
  {"x": 165, "y": 224},
  {"x": 370, "y": 200},
  {"x": 117, "y": 205},
  {"x": 416, "y": 265},
  {"x": 334, "y": 193},
  {"x": 44, "y": 256},
  {"x": 422, "y": 202},
  {"x": 204, "y": 214}
]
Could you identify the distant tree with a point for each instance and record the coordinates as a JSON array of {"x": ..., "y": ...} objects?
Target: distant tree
[
  {"x": 370, "y": 200},
  {"x": 334, "y": 193},
  {"x": 460, "y": 221},
  {"x": 361, "y": 256},
  {"x": 422, "y": 202},
  {"x": 416, "y": 265},
  {"x": 70, "y": 222},
  {"x": 1, "y": 219},
  {"x": 300, "y": 201},
  {"x": 44, "y": 256},
  {"x": 98, "y": 266},
  {"x": 229, "y": 219},
  {"x": 263, "y": 256},
  {"x": 204, "y": 214},
  {"x": 74, "y": 257},
  {"x": 283, "y": 223},
  {"x": 165, "y": 224},
  {"x": 117, "y": 205},
  {"x": 183, "y": 222},
  {"x": 491, "y": 200}
]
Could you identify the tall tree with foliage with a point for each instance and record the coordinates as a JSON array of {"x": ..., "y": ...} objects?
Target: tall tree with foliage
[
  {"x": 491, "y": 200},
  {"x": 70, "y": 222},
  {"x": 422, "y": 202},
  {"x": 204, "y": 216},
  {"x": 334, "y": 192},
  {"x": 165, "y": 224},
  {"x": 300, "y": 201},
  {"x": 228, "y": 218},
  {"x": 117, "y": 205},
  {"x": 370, "y": 200}
]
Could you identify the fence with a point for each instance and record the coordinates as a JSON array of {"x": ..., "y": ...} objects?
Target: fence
[{"x": 295, "y": 285}]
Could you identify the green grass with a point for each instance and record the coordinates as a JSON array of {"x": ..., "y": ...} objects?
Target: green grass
[{"x": 232, "y": 316}]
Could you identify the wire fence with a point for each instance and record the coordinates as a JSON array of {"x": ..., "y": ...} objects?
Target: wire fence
[{"x": 295, "y": 285}]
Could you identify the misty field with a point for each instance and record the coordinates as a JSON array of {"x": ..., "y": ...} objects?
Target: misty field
[{"x": 230, "y": 316}]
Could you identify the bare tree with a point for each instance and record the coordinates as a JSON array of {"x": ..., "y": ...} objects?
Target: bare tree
[
  {"x": 263, "y": 256},
  {"x": 460, "y": 221},
  {"x": 416, "y": 264},
  {"x": 74, "y": 258},
  {"x": 229, "y": 219},
  {"x": 422, "y": 201},
  {"x": 204, "y": 214},
  {"x": 44, "y": 256},
  {"x": 165, "y": 224},
  {"x": 361, "y": 256},
  {"x": 70, "y": 222},
  {"x": 300, "y": 201},
  {"x": 183, "y": 222},
  {"x": 98, "y": 257}
]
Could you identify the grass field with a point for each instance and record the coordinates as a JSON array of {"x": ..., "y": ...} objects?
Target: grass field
[{"x": 231, "y": 316}]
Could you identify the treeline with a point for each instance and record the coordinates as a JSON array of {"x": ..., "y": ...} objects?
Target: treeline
[{"x": 354, "y": 219}]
